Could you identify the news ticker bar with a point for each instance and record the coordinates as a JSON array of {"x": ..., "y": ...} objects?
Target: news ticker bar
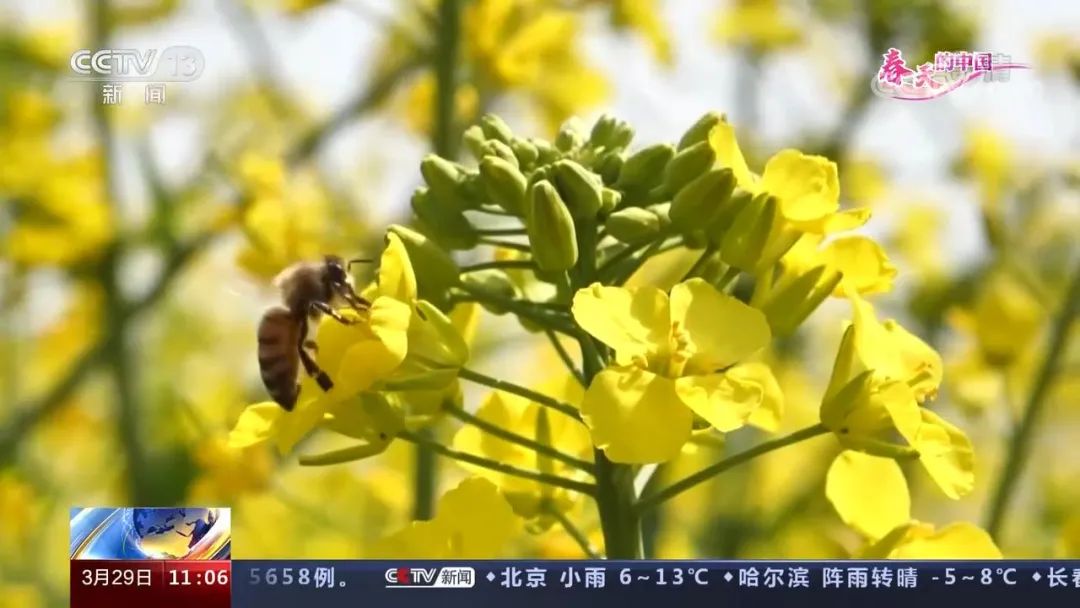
[{"x": 333, "y": 584}]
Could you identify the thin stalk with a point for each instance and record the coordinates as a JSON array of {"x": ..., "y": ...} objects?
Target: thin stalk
[
  {"x": 564, "y": 354},
  {"x": 500, "y": 467},
  {"x": 574, "y": 533},
  {"x": 523, "y": 247},
  {"x": 501, "y": 231},
  {"x": 520, "y": 391},
  {"x": 1020, "y": 442},
  {"x": 653, "y": 500},
  {"x": 499, "y": 265},
  {"x": 521, "y": 440}
]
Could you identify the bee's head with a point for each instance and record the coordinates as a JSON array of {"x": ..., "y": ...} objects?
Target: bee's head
[
  {"x": 339, "y": 281},
  {"x": 335, "y": 270}
]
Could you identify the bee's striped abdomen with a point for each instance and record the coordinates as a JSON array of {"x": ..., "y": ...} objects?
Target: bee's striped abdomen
[{"x": 279, "y": 333}]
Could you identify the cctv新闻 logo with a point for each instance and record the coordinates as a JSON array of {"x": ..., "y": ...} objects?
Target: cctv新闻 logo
[{"x": 173, "y": 64}]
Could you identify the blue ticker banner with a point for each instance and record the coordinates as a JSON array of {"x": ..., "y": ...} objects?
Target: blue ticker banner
[{"x": 566, "y": 584}]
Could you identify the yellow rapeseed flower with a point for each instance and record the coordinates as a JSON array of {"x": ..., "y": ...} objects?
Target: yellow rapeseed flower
[
  {"x": 760, "y": 25},
  {"x": 870, "y": 495},
  {"x": 882, "y": 374},
  {"x": 806, "y": 186},
  {"x": 472, "y": 521},
  {"x": 400, "y": 344},
  {"x": 530, "y": 499},
  {"x": 531, "y": 47},
  {"x": 675, "y": 357}
]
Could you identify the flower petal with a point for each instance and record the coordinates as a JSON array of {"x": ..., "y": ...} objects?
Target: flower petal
[
  {"x": 807, "y": 185},
  {"x": 719, "y": 329},
  {"x": 946, "y": 453},
  {"x": 396, "y": 277},
  {"x": 767, "y": 415},
  {"x": 478, "y": 520},
  {"x": 723, "y": 142},
  {"x": 894, "y": 353},
  {"x": 920, "y": 541},
  {"x": 841, "y": 221},
  {"x": 725, "y": 402},
  {"x": 635, "y": 322},
  {"x": 256, "y": 424},
  {"x": 863, "y": 262},
  {"x": 635, "y": 416},
  {"x": 869, "y": 493}
]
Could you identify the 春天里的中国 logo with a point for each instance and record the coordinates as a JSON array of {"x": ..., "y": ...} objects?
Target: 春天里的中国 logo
[{"x": 949, "y": 71}]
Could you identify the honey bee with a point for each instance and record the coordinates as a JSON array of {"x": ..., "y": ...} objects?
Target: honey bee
[{"x": 308, "y": 290}]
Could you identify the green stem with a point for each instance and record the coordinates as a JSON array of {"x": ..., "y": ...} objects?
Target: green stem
[
  {"x": 573, "y": 531},
  {"x": 567, "y": 360},
  {"x": 516, "y": 389},
  {"x": 526, "y": 442},
  {"x": 447, "y": 42},
  {"x": 537, "y": 312},
  {"x": 501, "y": 244},
  {"x": 500, "y": 467},
  {"x": 619, "y": 522},
  {"x": 116, "y": 350},
  {"x": 499, "y": 265},
  {"x": 1020, "y": 443},
  {"x": 501, "y": 231},
  {"x": 444, "y": 139},
  {"x": 651, "y": 501}
]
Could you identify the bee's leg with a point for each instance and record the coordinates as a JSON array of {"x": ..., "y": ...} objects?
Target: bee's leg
[
  {"x": 358, "y": 303},
  {"x": 311, "y": 345},
  {"x": 310, "y": 366},
  {"x": 324, "y": 308}
]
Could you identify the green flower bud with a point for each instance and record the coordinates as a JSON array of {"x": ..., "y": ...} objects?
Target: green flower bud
[
  {"x": 725, "y": 216},
  {"x": 699, "y": 131},
  {"x": 579, "y": 187},
  {"x": 645, "y": 168},
  {"x": 444, "y": 178},
  {"x": 474, "y": 141},
  {"x": 551, "y": 229},
  {"x": 472, "y": 191},
  {"x": 686, "y": 166},
  {"x": 570, "y": 137},
  {"x": 494, "y": 147},
  {"x": 792, "y": 301},
  {"x": 546, "y": 153},
  {"x": 435, "y": 270},
  {"x": 496, "y": 128},
  {"x": 608, "y": 167},
  {"x": 610, "y": 133},
  {"x": 695, "y": 206},
  {"x": 633, "y": 224},
  {"x": 525, "y": 152},
  {"x": 490, "y": 282},
  {"x": 447, "y": 225},
  {"x": 744, "y": 244},
  {"x": 504, "y": 184},
  {"x": 609, "y": 200}
]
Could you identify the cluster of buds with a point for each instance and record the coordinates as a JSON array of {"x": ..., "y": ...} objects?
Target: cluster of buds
[{"x": 585, "y": 189}]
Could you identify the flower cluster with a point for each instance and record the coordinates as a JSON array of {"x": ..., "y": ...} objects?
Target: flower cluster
[{"x": 565, "y": 226}]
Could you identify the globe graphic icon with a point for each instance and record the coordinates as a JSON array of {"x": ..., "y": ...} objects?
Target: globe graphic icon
[{"x": 169, "y": 533}]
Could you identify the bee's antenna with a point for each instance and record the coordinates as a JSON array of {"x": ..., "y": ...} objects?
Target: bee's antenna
[{"x": 359, "y": 261}]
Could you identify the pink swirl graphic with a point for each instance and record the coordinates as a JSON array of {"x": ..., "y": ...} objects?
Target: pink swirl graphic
[{"x": 907, "y": 92}]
